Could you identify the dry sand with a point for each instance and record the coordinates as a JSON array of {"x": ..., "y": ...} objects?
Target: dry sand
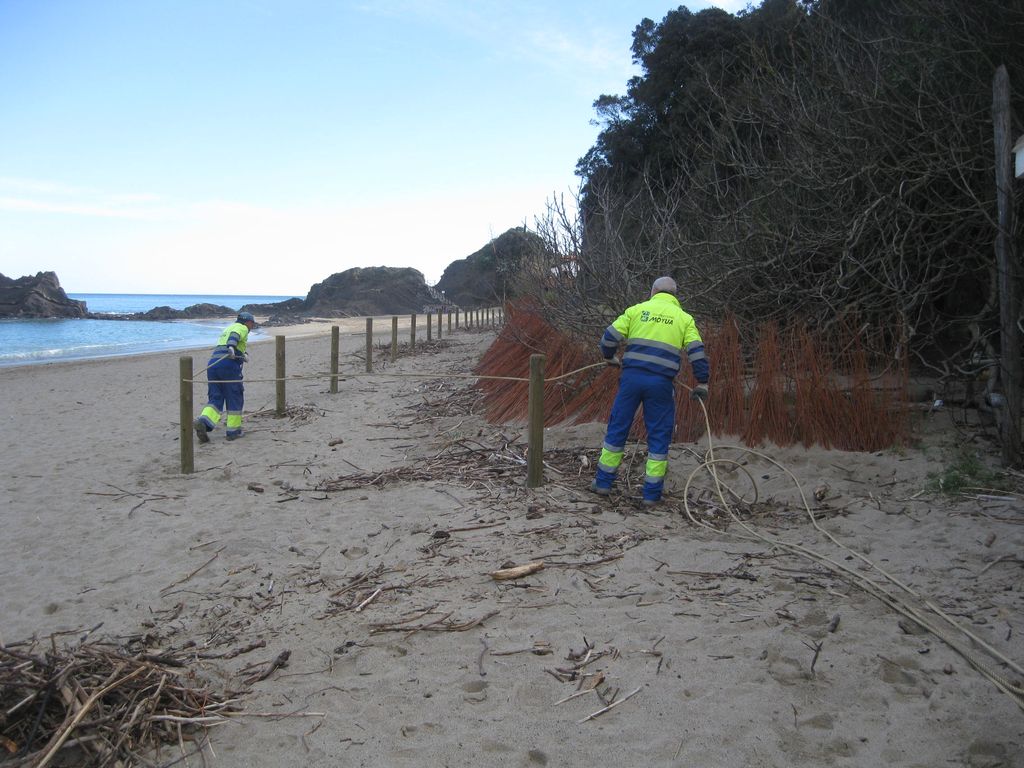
[{"x": 717, "y": 634}]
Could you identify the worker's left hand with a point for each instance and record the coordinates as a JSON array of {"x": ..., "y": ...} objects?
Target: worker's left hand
[{"x": 700, "y": 392}]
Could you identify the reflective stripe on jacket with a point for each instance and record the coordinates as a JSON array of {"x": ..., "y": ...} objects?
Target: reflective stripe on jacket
[{"x": 655, "y": 332}]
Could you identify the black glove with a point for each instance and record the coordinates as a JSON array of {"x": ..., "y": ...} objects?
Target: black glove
[
  {"x": 700, "y": 392},
  {"x": 613, "y": 362}
]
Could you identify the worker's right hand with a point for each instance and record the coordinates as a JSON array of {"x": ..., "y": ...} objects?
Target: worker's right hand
[
  {"x": 613, "y": 362},
  {"x": 700, "y": 392}
]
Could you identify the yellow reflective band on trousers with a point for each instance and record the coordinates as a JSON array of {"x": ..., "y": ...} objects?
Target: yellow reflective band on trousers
[
  {"x": 234, "y": 420},
  {"x": 610, "y": 460},
  {"x": 213, "y": 415},
  {"x": 656, "y": 470}
]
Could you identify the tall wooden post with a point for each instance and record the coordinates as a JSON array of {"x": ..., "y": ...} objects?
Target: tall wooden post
[
  {"x": 1011, "y": 370},
  {"x": 369, "y": 345},
  {"x": 535, "y": 444},
  {"x": 412, "y": 332},
  {"x": 335, "y": 338},
  {"x": 430, "y": 317},
  {"x": 394, "y": 338},
  {"x": 456, "y": 318},
  {"x": 185, "y": 413},
  {"x": 439, "y": 325},
  {"x": 449, "y": 322},
  {"x": 279, "y": 369}
]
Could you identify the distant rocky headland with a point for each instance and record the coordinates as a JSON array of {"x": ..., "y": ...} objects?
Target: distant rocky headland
[
  {"x": 39, "y": 296},
  {"x": 484, "y": 277}
]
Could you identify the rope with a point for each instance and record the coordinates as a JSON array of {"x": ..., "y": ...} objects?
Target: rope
[
  {"x": 375, "y": 374},
  {"x": 868, "y": 585}
]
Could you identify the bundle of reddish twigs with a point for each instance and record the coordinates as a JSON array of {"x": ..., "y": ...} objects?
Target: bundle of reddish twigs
[{"x": 94, "y": 706}]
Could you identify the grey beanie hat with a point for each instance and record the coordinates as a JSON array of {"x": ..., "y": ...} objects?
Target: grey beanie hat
[{"x": 664, "y": 285}]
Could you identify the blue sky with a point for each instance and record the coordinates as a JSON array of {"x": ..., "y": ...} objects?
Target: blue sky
[{"x": 259, "y": 146}]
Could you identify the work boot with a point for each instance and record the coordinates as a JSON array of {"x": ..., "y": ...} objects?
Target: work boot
[
  {"x": 202, "y": 431},
  {"x": 600, "y": 490},
  {"x": 235, "y": 435},
  {"x": 652, "y": 492}
]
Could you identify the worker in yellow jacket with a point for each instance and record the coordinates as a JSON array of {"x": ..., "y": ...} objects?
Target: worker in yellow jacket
[
  {"x": 224, "y": 376},
  {"x": 656, "y": 332}
]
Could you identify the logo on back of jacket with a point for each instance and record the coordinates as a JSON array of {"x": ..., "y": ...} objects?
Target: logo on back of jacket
[{"x": 645, "y": 317}]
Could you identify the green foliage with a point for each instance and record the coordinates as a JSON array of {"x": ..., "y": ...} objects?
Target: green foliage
[{"x": 966, "y": 472}]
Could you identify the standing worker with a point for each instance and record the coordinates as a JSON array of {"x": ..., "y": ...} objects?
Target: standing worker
[
  {"x": 655, "y": 332},
  {"x": 224, "y": 374}
]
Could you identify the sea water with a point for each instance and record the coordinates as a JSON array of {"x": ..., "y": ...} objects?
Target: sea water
[{"x": 27, "y": 342}]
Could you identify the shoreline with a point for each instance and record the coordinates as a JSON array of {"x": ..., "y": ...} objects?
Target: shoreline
[{"x": 350, "y": 326}]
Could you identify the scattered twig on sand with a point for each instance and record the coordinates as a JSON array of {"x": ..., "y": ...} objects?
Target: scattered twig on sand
[
  {"x": 197, "y": 570},
  {"x": 614, "y": 704},
  {"x": 279, "y": 661}
]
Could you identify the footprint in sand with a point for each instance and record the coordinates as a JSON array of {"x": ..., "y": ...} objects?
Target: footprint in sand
[{"x": 476, "y": 691}]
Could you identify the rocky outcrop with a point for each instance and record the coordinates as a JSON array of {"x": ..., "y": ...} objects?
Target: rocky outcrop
[
  {"x": 286, "y": 307},
  {"x": 369, "y": 291},
  {"x": 39, "y": 296},
  {"x": 196, "y": 311},
  {"x": 488, "y": 276},
  {"x": 357, "y": 292}
]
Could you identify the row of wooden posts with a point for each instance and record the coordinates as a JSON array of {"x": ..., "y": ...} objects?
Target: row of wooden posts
[{"x": 488, "y": 317}]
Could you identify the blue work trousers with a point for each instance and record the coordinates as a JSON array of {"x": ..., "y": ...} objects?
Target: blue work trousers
[
  {"x": 225, "y": 391},
  {"x": 655, "y": 392}
]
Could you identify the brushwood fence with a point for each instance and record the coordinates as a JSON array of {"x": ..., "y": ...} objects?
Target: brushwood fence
[{"x": 770, "y": 385}]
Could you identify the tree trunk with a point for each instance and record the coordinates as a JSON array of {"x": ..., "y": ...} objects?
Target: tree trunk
[{"x": 1006, "y": 265}]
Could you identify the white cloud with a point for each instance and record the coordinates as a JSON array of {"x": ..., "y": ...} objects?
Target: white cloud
[{"x": 42, "y": 196}]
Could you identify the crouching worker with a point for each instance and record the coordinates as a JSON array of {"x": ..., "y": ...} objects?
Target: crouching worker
[
  {"x": 225, "y": 391},
  {"x": 655, "y": 333}
]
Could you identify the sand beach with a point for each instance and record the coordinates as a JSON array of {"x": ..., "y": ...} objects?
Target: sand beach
[{"x": 360, "y": 532}]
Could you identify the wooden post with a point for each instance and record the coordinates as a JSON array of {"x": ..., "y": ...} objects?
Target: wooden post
[
  {"x": 412, "y": 332},
  {"x": 369, "y": 345},
  {"x": 188, "y": 465},
  {"x": 449, "y": 322},
  {"x": 535, "y": 443},
  {"x": 439, "y": 325},
  {"x": 430, "y": 317},
  {"x": 1011, "y": 370},
  {"x": 394, "y": 338},
  {"x": 456, "y": 318},
  {"x": 335, "y": 331},
  {"x": 279, "y": 369}
]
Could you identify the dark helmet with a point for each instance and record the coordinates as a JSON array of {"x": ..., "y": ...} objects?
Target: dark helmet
[{"x": 246, "y": 317}]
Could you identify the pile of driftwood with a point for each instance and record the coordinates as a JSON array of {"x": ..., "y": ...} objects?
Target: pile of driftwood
[{"x": 94, "y": 706}]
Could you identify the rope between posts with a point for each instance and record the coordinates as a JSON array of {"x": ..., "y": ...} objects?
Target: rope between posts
[
  {"x": 868, "y": 585},
  {"x": 339, "y": 375}
]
